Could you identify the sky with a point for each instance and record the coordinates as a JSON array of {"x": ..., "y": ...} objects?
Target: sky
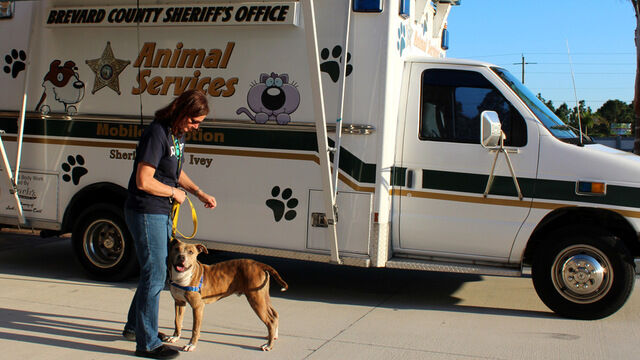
[{"x": 600, "y": 37}]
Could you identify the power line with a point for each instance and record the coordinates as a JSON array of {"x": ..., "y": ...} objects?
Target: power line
[
  {"x": 523, "y": 63},
  {"x": 583, "y": 73},
  {"x": 586, "y": 63},
  {"x": 547, "y": 53},
  {"x": 587, "y": 88}
]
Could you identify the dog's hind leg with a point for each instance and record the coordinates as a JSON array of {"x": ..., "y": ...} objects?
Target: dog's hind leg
[
  {"x": 178, "y": 321},
  {"x": 274, "y": 315},
  {"x": 259, "y": 301}
]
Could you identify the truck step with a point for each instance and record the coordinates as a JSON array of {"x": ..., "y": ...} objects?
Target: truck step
[{"x": 424, "y": 265}]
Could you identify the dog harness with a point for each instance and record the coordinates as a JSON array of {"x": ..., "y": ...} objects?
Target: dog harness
[{"x": 189, "y": 288}]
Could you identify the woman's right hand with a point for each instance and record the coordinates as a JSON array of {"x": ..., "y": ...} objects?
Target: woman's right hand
[{"x": 179, "y": 195}]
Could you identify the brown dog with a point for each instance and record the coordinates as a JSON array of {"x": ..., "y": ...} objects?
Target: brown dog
[{"x": 198, "y": 284}]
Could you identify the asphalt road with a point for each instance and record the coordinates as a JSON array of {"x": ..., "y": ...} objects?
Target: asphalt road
[{"x": 52, "y": 310}]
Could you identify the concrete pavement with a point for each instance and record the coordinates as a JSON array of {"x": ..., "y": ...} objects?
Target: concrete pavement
[{"x": 51, "y": 310}]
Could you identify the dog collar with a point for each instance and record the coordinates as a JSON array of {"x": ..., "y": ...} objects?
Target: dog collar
[{"x": 189, "y": 288}]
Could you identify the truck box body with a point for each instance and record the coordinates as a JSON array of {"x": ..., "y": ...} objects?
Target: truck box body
[{"x": 418, "y": 187}]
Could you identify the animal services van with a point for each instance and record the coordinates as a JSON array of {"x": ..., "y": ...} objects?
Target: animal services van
[{"x": 339, "y": 133}]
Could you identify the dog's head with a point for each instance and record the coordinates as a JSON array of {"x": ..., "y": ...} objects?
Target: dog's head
[{"x": 183, "y": 256}]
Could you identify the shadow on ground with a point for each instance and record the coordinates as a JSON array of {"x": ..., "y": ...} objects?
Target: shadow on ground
[
  {"x": 53, "y": 259},
  {"x": 387, "y": 288},
  {"x": 56, "y": 330}
]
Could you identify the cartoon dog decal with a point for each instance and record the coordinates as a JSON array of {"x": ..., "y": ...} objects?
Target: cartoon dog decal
[
  {"x": 273, "y": 98},
  {"x": 62, "y": 84}
]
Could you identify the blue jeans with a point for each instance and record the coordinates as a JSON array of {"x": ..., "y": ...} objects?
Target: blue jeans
[{"x": 151, "y": 234}]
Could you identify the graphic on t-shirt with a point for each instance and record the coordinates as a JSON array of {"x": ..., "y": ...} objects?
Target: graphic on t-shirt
[
  {"x": 74, "y": 169},
  {"x": 177, "y": 148},
  {"x": 279, "y": 206}
]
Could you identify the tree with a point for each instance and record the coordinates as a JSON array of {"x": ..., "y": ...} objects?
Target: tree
[
  {"x": 636, "y": 93},
  {"x": 616, "y": 111},
  {"x": 563, "y": 112},
  {"x": 549, "y": 103},
  {"x": 596, "y": 123},
  {"x": 586, "y": 116}
]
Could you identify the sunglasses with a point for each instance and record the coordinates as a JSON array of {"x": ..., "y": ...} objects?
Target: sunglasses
[{"x": 194, "y": 122}]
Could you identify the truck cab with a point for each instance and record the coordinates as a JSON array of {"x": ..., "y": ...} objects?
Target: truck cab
[{"x": 555, "y": 202}]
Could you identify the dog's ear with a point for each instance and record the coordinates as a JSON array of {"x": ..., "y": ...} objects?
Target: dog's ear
[
  {"x": 202, "y": 249},
  {"x": 173, "y": 242}
]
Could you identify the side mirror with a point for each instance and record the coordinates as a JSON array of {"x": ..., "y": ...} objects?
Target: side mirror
[{"x": 490, "y": 129}]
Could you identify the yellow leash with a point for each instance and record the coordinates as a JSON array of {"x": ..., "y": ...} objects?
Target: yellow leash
[{"x": 175, "y": 211}]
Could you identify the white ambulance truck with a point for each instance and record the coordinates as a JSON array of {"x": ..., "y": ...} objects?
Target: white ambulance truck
[{"x": 440, "y": 165}]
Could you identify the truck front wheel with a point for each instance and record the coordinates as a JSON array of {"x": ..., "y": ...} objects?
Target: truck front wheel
[
  {"x": 103, "y": 244},
  {"x": 583, "y": 273}
]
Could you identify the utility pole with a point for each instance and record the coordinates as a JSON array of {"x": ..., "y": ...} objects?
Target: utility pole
[{"x": 523, "y": 63}]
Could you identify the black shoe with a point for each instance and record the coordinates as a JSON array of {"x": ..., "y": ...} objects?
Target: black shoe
[{"x": 161, "y": 352}]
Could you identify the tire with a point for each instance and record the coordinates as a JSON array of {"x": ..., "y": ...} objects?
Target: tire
[
  {"x": 103, "y": 244},
  {"x": 583, "y": 273}
]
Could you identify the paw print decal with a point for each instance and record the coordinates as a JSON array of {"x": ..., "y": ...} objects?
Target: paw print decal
[
  {"x": 402, "y": 35},
  {"x": 74, "y": 169},
  {"x": 15, "y": 62},
  {"x": 332, "y": 67},
  {"x": 279, "y": 206}
]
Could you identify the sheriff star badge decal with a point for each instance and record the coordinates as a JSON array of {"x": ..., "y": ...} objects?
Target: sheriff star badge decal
[{"x": 107, "y": 68}]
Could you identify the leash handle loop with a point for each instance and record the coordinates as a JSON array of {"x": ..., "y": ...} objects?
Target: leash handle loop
[{"x": 175, "y": 211}]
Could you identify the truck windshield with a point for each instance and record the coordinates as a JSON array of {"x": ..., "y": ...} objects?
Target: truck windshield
[{"x": 557, "y": 127}]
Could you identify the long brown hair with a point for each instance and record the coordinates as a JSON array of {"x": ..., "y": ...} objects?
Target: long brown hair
[{"x": 191, "y": 103}]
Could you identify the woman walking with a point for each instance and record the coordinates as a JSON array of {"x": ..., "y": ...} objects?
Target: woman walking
[{"x": 153, "y": 186}]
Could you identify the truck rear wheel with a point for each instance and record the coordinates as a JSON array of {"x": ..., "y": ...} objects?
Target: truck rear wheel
[
  {"x": 103, "y": 244},
  {"x": 584, "y": 274}
]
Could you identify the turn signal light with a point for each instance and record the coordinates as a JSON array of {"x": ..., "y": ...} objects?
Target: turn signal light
[{"x": 591, "y": 188}]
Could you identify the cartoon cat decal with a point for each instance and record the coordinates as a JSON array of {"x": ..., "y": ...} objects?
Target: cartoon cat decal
[{"x": 273, "y": 98}]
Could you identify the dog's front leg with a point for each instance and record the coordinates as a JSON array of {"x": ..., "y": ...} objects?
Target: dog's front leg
[
  {"x": 198, "y": 312},
  {"x": 178, "y": 321}
]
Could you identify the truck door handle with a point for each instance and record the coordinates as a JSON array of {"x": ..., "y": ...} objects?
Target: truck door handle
[{"x": 410, "y": 178}]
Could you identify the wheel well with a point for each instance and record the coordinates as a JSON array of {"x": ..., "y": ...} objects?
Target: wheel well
[
  {"x": 97, "y": 193},
  {"x": 608, "y": 220}
]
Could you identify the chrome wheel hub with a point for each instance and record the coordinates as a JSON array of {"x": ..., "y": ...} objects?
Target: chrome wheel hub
[
  {"x": 103, "y": 243},
  {"x": 582, "y": 274}
]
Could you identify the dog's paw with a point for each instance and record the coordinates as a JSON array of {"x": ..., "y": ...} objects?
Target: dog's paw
[
  {"x": 172, "y": 339},
  {"x": 189, "y": 348},
  {"x": 265, "y": 347}
]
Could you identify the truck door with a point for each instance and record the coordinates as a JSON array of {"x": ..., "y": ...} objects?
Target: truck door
[{"x": 442, "y": 210}]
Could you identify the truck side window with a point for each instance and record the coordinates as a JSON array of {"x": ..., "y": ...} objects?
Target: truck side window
[{"x": 452, "y": 101}]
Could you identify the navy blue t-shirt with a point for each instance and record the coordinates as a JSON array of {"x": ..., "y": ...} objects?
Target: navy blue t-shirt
[{"x": 158, "y": 148}]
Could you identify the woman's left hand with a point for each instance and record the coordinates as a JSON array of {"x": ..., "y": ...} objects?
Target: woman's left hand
[{"x": 208, "y": 200}]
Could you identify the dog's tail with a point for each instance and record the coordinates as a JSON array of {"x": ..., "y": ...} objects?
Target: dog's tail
[{"x": 275, "y": 275}]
